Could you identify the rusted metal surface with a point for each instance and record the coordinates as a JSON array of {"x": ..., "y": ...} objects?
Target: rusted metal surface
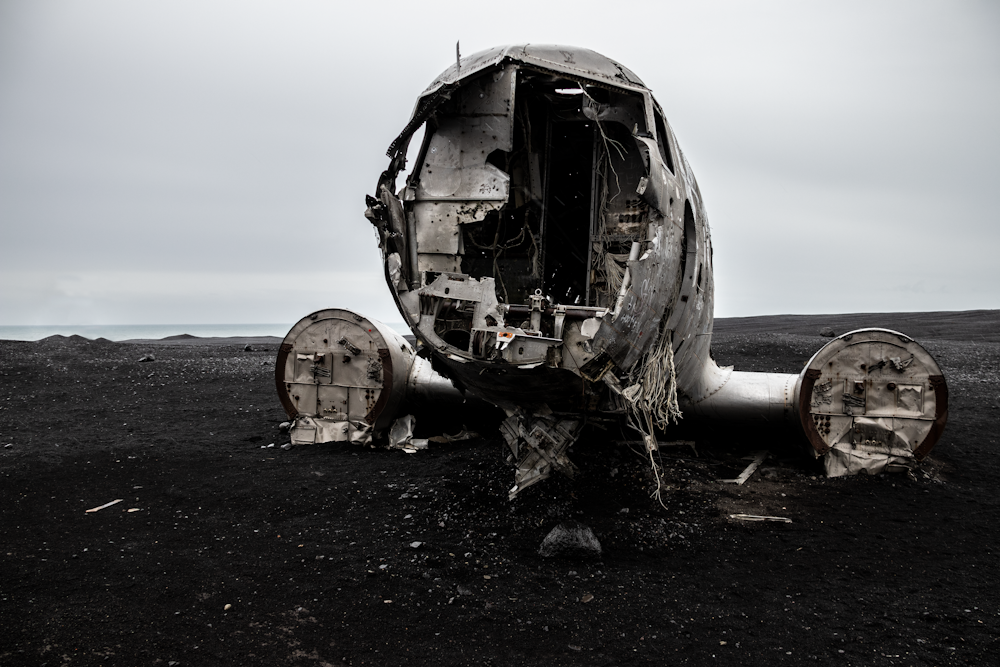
[
  {"x": 940, "y": 416},
  {"x": 871, "y": 398},
  {"x": 279, "y": 380},
  {"x": 811, "y": 427}
]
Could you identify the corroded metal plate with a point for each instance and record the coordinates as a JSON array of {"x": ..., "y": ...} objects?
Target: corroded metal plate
[{"x": 872, "y": 395}]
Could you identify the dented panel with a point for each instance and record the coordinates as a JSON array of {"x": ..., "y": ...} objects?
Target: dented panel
[{"x": 875, "y": 394}]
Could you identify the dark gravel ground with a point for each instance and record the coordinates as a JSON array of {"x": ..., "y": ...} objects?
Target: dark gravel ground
[{"x": 314, "y": 548}]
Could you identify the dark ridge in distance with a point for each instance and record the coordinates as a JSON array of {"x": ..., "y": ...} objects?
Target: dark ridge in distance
[
  {"x": 188, "y": 339},
  {"x": 968, "y": 325}
]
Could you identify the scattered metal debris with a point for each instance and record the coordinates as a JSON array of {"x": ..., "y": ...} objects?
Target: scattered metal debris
[
  {"x": 464, "y": 434},
  {"x": 758, "y": 458},
  {"x": 401, "y": 432}
]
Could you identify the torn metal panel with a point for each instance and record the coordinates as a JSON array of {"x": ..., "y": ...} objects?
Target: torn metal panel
[
  {"x": 657, "y": 189},
  {"x": 455, "y": 166},
  {"x": 654, "y": 279},
  {"x": 308, "y": 430},
  {"x": 455, "y": 184},
  {"x": 538, "y": 445},
  {"x": 394, "y": 269},
  {"x": 842, "y": 459},
  {"x": 395, "y": 208},
  {"x": 401, "y": 432},
  {"x": 758, "y": 458},
  {"x": 870, "y": 397}
]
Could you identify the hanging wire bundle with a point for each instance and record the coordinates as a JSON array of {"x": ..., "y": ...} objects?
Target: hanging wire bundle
[
  {"x": 652, "y": 397},
  {"x": 614, "y": 272},
  {"x": 653, "y": 392},
  {"x": 497, "y": 247},
  {"x": 607, "y": 265}
]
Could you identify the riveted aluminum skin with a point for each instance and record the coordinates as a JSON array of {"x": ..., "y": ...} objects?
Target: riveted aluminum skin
[{"x": 751, "y": 397}]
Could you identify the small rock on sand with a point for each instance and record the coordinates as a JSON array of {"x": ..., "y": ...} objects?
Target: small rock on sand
[{"x": 570, "y": 539}]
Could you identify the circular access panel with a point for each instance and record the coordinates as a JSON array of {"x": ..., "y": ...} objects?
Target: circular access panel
[
  {"x": 340, "y": 375},
  {"x": 873, "y": 393}
]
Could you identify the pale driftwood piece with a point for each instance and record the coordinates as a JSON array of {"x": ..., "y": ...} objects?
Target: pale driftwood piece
[
  {"x": 757, "y": 517},
  {"x": 99, "y": 508}
]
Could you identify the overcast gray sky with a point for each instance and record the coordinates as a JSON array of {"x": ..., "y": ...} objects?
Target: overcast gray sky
[{"x": 207, "y": 162}]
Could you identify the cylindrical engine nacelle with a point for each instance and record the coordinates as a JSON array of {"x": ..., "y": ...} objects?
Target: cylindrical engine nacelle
[
  {"x": 866, "y": 400},
  {"x": 344, "y": 377}
]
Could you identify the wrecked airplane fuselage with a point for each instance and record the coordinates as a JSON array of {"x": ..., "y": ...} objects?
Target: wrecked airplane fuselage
[{"x": 550, "y": 250}]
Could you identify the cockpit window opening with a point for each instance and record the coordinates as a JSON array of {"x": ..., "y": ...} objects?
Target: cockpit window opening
[
  {"x": 414, "y": 151},
  {"x": 568, "y": 166},
  {"x": 663, "y": 141}
]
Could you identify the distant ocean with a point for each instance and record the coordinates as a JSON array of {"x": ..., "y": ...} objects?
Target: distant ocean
[{"x": 154, "y": 331}]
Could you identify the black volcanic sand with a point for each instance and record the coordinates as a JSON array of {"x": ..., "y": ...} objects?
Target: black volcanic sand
[{"x": 316, "y": 548}]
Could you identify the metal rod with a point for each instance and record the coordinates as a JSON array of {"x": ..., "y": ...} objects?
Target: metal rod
[
  {"x": 411, "y": 244},
  {"x": 542, "y": 226},
  {"x": 593, "y": 214}
]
